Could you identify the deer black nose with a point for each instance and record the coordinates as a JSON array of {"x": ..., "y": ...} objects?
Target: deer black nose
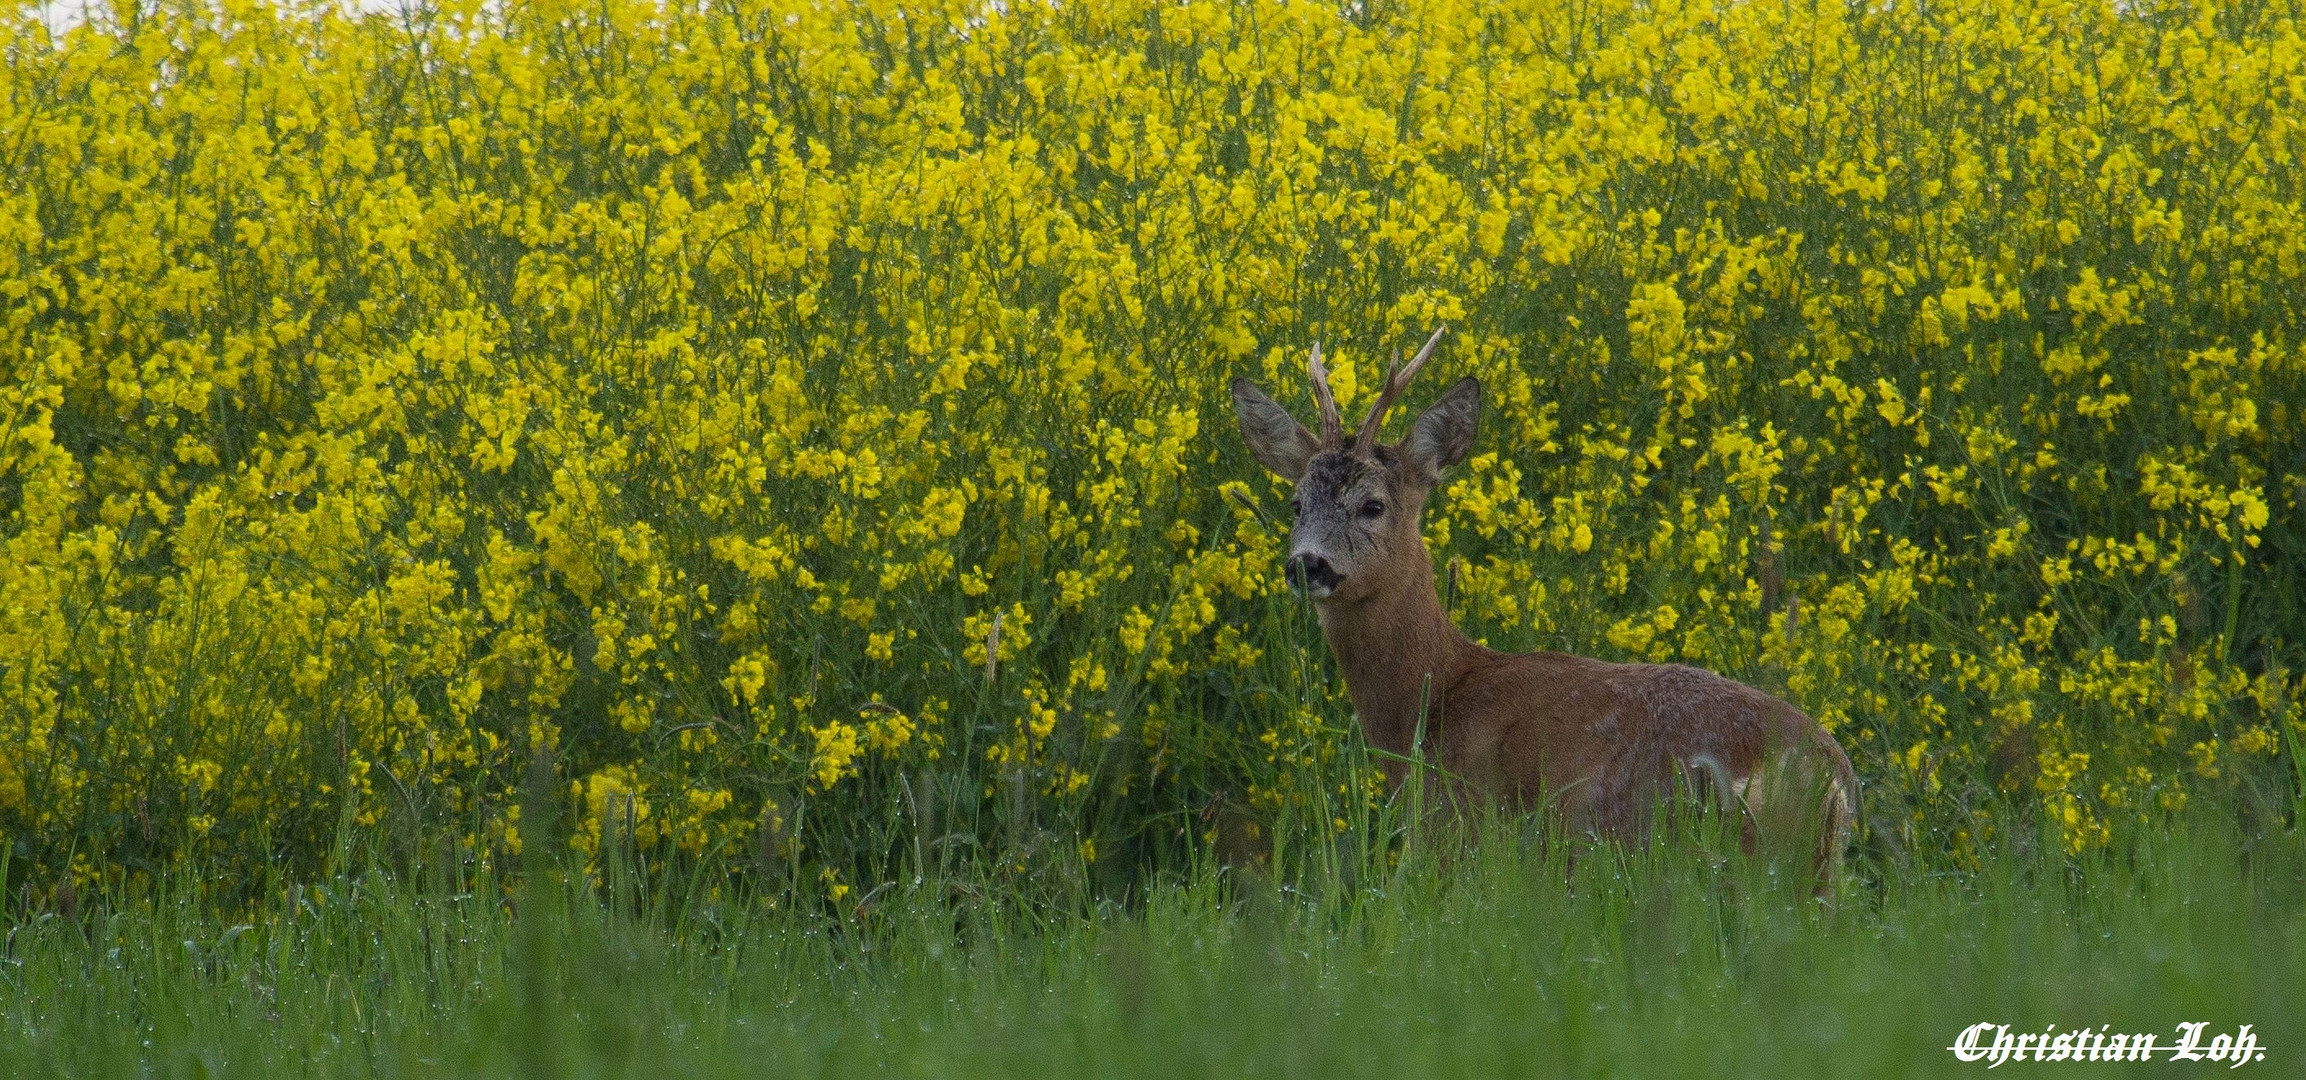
[{"x": 1311, "y": 571}]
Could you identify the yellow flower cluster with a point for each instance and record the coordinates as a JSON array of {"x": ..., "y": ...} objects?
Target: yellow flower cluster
[{"x": 813, "y": 411}]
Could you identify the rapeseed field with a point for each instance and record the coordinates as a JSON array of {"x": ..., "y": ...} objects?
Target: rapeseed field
[{"x": 796, "y": 431}]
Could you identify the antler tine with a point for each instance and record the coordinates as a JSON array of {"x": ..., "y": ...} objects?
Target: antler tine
[
  {"x": 1395, "y": 382},
  {"x": 1332, "y": 426}
]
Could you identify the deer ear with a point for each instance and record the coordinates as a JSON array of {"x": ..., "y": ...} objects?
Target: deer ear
[
  {"x": 1279, "y": 441},
  {"x": 1444, "y": 435}
]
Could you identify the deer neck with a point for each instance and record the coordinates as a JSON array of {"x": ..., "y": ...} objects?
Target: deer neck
[{"x": 1399, "y": 652}]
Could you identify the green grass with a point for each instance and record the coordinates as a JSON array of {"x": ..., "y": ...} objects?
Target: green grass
[{"x": 1496, "y": 962}]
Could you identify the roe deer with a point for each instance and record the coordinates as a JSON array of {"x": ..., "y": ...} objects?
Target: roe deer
[{"x": 1594, "y": 743}]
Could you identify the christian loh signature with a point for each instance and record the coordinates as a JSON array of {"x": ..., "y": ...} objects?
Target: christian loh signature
[{"x": 1996, "y": 1045}]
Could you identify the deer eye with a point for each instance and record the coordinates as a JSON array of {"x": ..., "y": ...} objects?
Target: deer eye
[{"x": 1372, "y": 508}]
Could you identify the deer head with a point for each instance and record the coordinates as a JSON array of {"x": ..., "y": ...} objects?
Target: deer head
[{"x": 1358, "y": 500}]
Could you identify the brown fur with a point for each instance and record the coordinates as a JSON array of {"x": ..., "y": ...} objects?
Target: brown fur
[{"x": 1594, "y": 743}]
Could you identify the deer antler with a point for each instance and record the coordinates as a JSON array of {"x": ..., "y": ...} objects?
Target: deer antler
[
  {"x": 1396, "y": 381},
  {"x": 1332, "y": 427}
]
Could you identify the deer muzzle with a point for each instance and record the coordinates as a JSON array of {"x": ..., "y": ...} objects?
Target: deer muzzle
[{"x": 1311, "y": 574}]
